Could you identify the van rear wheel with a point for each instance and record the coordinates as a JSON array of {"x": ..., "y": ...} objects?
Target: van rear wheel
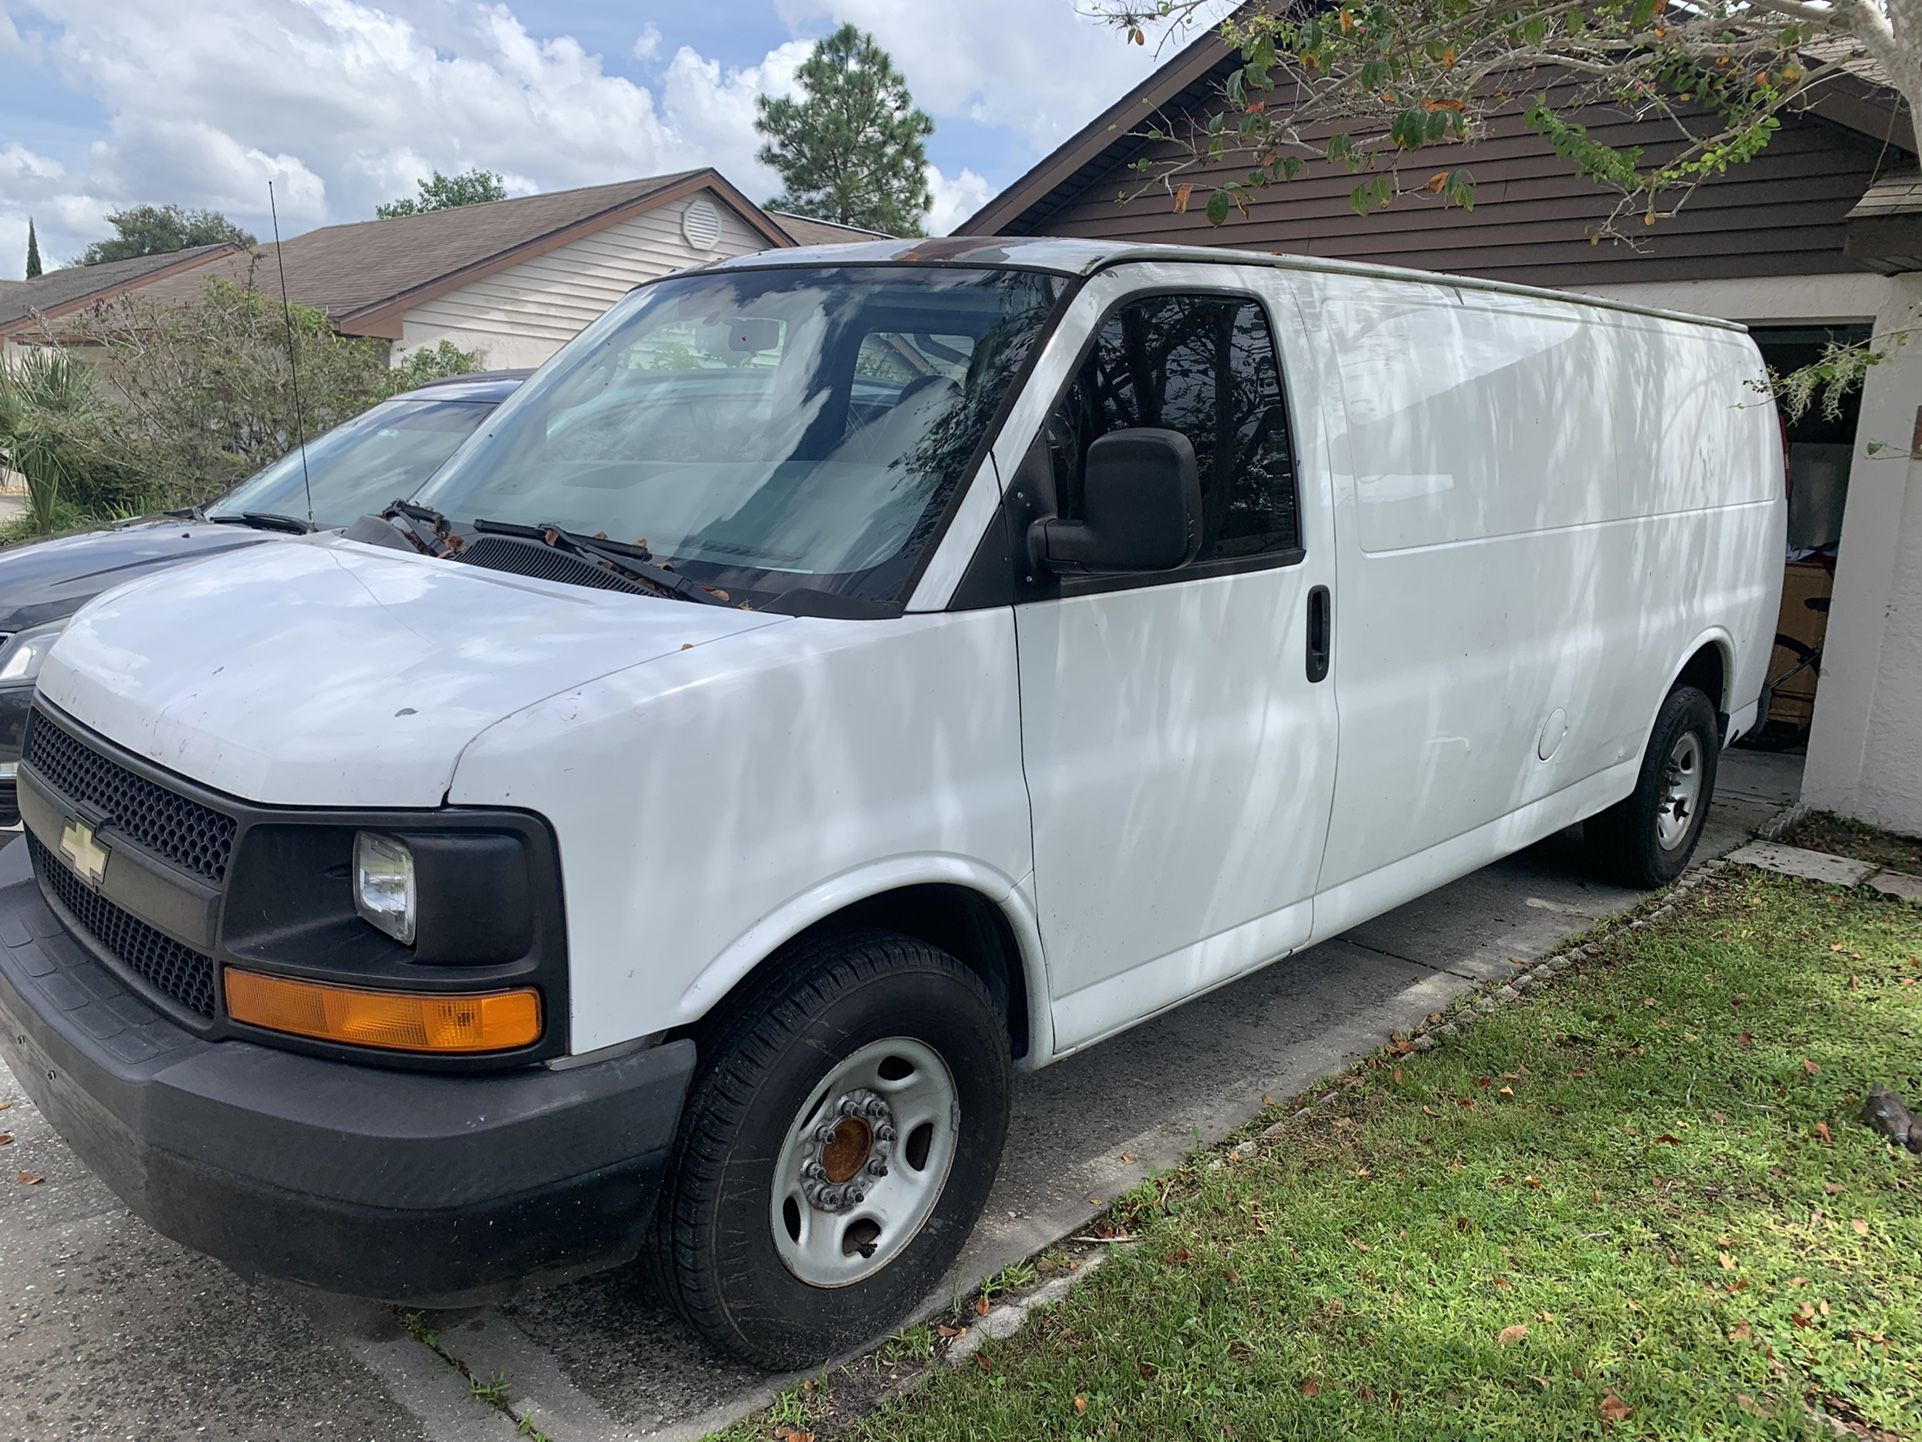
[
  {"x": 1647, "y": 839},
  {"x": 835, "y": 1150}
]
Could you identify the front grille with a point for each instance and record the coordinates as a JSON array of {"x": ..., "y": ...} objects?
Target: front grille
[
  {"x": 175, "y": 971},
  {"x": 190, "y": 835}
]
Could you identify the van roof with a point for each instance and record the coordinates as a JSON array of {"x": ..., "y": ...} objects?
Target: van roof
[{"x": 1083, "y": 257}]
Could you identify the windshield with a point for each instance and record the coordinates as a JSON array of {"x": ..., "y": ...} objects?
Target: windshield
[
  {"x": 379, "y": 456},
  {"x": 763, "y": 430}
]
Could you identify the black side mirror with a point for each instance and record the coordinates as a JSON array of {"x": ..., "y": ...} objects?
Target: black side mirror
[{"x": 1140, "y": 507}]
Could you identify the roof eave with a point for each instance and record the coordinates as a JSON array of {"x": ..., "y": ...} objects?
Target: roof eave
[{"x": 38, "y": 317}]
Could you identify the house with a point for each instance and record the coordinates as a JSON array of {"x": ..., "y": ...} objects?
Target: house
[
  {"x": 513, "y": 279},
  {"x": 806, "y": 230},
  {"x": 1819, "y": 238},
  {"x": 28, "y": 306}
]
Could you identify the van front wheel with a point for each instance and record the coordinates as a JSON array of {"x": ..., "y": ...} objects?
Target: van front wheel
[
  {"x": 1647, "y": 839},
  {"x": 835, "y": 1149}
]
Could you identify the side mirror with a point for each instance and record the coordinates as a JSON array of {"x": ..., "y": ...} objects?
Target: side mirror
[{"x": 1140, "y": 507}]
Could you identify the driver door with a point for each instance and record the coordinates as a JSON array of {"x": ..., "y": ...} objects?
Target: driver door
[{"x": 1178, "y": 735}]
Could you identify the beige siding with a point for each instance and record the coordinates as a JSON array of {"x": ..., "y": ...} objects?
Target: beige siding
[{"x": 522, "y": 315}]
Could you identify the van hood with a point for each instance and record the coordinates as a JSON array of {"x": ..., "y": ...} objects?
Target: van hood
[
  {"x": 49, "y": 580},
  {"x": 326, "y": 672}
]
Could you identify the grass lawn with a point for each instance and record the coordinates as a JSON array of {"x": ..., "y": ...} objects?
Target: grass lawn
[
  {"x": 1824, "y": 831},
  {"x": 1637, "y": 1203}
]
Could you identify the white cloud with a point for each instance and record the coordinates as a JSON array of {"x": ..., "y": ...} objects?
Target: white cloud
[
  {"x": 1042, "y": 68},
  {"x": 956, "y": 198},
  {"x": 344, "y": 103}
]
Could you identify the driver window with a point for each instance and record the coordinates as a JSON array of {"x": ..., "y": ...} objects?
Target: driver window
[{"x": 1204, "y": 365}]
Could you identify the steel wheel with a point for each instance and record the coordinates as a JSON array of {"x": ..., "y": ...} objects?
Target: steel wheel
[
  {"x": 864, "y": 1161},
  {"x": 1681, "y": 791}
]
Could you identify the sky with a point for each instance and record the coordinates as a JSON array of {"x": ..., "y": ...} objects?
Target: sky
[{"x": 342, "y": 104}]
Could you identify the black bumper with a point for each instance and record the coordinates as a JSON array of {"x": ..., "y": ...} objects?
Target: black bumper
[{"x": 407, "y": 1186}]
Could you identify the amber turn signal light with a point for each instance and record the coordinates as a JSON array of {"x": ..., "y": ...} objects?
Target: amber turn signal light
[{"x": 393, "y": 1020}]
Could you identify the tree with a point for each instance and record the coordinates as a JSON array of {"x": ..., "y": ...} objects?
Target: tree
[
  {"x": 445, "y": 192},
  {"x": 203, "y": 393},
  {"x": 33, "y": 251},
  {"x": 1381, "y": 90},
  {"x": 160, "y": 229},
  {"x": 850, "y": 149}
]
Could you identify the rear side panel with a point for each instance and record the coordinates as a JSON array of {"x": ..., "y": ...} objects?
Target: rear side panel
[{"x": 1543, "y": 509}]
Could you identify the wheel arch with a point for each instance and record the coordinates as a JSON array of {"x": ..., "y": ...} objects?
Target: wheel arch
[
  {"x": 977, "y": 915},
  {"x": 1709, "y": 666}
]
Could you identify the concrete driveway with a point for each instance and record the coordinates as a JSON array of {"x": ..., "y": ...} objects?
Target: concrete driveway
[{"x": 109, "y": 1331}]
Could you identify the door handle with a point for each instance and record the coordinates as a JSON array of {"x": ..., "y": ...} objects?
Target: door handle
[{"x": 1320, "y": 634}]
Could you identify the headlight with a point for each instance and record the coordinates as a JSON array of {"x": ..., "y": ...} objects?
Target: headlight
[
  {"x": 384, "y": 891},
  {"x": 24, "y": 653}
]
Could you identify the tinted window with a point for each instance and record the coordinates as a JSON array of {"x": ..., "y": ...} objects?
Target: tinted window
[{"x": 1204, "y": 366}]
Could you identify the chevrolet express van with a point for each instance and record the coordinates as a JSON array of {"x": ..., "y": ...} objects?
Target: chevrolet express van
[{"x": 839, "y": 679}]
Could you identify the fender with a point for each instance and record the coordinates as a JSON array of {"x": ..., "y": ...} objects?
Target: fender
[
  {"x": 748, "y": 950},
  {"x": 1724, "y": 644}
]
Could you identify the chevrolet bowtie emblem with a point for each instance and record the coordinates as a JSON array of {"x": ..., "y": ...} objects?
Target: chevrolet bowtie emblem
[{"x": 84, "y": 852}]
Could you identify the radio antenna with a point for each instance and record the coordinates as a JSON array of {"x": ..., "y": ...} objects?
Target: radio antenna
[{"x": 293, "y": 356}]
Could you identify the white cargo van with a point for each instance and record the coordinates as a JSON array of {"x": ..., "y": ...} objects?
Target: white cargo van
[{"x": 838, "y": 679}]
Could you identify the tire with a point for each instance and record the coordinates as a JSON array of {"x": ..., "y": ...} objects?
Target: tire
[
  {"x": 766, "y": 1259},
  {"x": 1638, "y": 842}
]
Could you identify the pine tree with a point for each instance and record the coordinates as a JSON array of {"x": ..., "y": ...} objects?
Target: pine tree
[
  {"x": 850, "y": 148},
  {"x": 33, "y": 251}
]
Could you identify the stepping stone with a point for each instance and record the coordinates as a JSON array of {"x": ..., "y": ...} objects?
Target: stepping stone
[
  {"x": 1794, "y": 861},
  {"x": 1898, "y": 883}
]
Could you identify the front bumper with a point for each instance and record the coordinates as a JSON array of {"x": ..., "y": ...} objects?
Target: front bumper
[{"x": 419, "y": 1187}]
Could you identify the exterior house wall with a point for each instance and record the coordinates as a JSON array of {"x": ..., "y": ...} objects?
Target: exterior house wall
[
  {"x": 522, "y": 315},
  {"x": 1533, "y": 221}
]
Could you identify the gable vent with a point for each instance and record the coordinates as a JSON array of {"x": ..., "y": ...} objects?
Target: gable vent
[{"x": 701, "y": 224}]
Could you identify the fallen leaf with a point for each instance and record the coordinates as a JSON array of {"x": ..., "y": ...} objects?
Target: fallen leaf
[
  {"x": 687, "y": 645},
  {"x": 981, "y": 1361},
  {"x": 1429, "y": 1112},
  {"x": 1181, "y": 1254},
  {"x": 1395, "y": 1076},
  {"x": 1507, "y": 1092},
  {"x": 1668, "y": 1138},
  {"x": 981, "y": 1306},
  {"x": 6, "y": 1139},
  {"x": 1822, "y": 1131},
  {"x": 1745, "y": 1038},
  {"x": 1080, "y": 1403},
  {"x": 1511, "y": 1334},
  {"x": 1810, "y": 1067},
  {"x": 28, "y": 1179},
  {"x": 1728, "y": 1262},
  {"x": 1740, "y": 1332},
  {"x": 1311, "y": 1387},
  {"x": 1834, "y": 1189},
  {"x": 1146, "y": 1369},
  {"x": 1861, "y": 1226},
  {"x": 1127, "y": 1156},
  {"x": 942, "y": 1329},
  {"x": 1531, "y": 1181},
  {"x": 1269, "y": 1102},
  {"x": 1749, "y": 1405},
  {"x": 1501, "y": 1284},
  {"x": 1614, "y": 1409},
  {"x": 1720, "y": 1118},
  {"x": 1798, "y": 1281},
  {"x": 1545, "y": 1316}
]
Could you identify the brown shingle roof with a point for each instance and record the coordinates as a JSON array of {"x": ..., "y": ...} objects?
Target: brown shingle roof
[
  {"x": 806, "y": 230},
  {"x": 72, "y": 286},
  {"x": 355, "y": 272}
]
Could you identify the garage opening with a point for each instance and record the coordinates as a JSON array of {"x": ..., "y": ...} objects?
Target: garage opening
[{"x": 1819, "y": 449}]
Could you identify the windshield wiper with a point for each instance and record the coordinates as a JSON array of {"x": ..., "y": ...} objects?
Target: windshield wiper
[
  {"x": 261, "y": 521},
  {"x": 424, "y": 526},
  {"x": 636, "y": 563}
]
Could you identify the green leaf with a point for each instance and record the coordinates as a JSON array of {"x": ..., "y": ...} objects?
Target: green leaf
[{"x": 1217, "y": 207}]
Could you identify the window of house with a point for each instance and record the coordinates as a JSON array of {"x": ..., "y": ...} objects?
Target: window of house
[{"x": 1203, "y": 365}]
